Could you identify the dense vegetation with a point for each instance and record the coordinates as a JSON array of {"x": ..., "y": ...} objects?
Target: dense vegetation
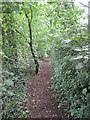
[
  {"x": 69, "y": 60},
  {"x": 30, "y": 32}
]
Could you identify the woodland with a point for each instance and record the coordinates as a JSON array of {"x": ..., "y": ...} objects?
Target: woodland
[{"x": 33, "y": 32}]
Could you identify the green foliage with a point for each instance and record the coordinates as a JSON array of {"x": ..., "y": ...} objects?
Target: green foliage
[
  {"x": 17, "y": 60},
  {"x": 14, "y": 96},
  {"x": 69, "y": 59},
  {"x": 57, "y": 30},
  {"x": 14, "y": 62}
]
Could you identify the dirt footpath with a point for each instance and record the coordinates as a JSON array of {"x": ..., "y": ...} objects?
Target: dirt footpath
[{"x": 41, "y": 101}]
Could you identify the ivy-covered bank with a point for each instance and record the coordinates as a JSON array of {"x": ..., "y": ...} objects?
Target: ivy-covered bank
[
  {"x": 69, "y": 60},
  {"x": 23, "y": 41},
  {"x": 14, "y": 89}
]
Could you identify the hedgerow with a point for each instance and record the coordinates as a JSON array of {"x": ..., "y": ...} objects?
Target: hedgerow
[{"x": 69, "y": 60}]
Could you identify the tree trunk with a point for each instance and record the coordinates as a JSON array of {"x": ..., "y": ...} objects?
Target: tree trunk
[{"x": 30, "y": 43}]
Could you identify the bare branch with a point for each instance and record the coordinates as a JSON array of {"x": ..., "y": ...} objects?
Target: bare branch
[
  {"x": 72, "y": 3},
  {"x": 84, "y": 5},
  {"x": 21, "y": 34}
]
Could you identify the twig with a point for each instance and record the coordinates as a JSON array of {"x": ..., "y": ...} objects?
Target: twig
[
  {"x": 84, "y": 5},
  {"x": 21, "y": 34}
]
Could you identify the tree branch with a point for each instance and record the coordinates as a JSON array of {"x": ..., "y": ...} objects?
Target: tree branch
[
  {"x": 84, "y": 5},
  {"x": 21, "y": 34},
  {"x": 72, "y": 3}
]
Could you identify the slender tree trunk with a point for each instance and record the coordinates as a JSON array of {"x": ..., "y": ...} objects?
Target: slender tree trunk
[{"x": 30, "y": 43}]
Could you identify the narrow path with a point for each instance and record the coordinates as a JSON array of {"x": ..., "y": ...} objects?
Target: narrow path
[{"x": 41, "y": 101}]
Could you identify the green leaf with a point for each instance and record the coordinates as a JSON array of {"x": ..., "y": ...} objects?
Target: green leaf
[
  {"x": 10, "y": 93},
  {"x": 4, "y": 89},
  {"x": 9, "y": 82},
  {"x": 88, "y": 98},
  {"x": 79, "y": 66},
  {"x": 84, "y": 91}
]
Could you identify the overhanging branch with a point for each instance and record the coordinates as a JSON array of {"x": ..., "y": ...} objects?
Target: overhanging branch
[
  {"x": 84, "y": 5},
  {"x": 21, "y": 34}
]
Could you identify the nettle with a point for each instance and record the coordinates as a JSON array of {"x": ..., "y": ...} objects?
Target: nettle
[{"x": 69, "y": 59}]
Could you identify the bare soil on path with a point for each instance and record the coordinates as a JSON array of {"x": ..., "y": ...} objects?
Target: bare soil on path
[{"x": 41, "y": 101}]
